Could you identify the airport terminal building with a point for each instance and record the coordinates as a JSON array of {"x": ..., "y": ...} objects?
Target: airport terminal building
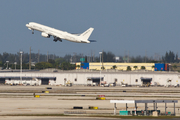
[{"x": 85, "y": 77}]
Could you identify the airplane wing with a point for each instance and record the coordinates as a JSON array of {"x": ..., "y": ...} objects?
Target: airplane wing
[
  {"x": 54, "y": 34},
  {"x": 57, "y": 37}
]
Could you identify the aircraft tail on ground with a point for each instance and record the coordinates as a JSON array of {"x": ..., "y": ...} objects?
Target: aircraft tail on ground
[{"x": 85, "y": 35}]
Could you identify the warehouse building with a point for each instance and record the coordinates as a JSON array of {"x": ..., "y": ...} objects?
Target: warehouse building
[
  {"x": 123, "y": 66},
  {"x": 120, "y": 66},
  {"x": 84, "y": 77}
]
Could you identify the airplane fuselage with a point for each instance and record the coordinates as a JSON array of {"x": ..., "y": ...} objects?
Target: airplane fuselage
[{"x": 48, "y": 31}]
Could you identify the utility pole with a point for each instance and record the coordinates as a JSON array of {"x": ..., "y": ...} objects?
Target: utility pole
[
  {"x": 74, "y": 56},
  {"x": 30, "y": 59},
  {"x": 47, "y": 56},
  {"x": 145, "y": 56},
  {"x": 71, "y": 59},
  {"x": 100, "y": 53},
  {"x": 7, "y": 64},
  {"x": 91, "y": 55},
  {"x": 15, "y": 63},
  {"x": 21, "y": 68},
  {"x": 125, "y": 56},
  {"x": 38, "y": 56},
  {"x": 102, "y": 59},
  {"x": 128, "y": 56}
]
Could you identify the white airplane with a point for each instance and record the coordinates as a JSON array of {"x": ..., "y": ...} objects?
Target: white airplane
[{"x": 58, "y": 34}]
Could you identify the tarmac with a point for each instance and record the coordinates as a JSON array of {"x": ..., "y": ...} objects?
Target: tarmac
[
  {"x": 65, "y": 118},
  {"x": 19, "y": 100}
]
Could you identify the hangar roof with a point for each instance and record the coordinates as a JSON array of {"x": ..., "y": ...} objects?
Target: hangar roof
[
  {"x": 12, "y": 77},
  {"x": 93, "y": 71}
]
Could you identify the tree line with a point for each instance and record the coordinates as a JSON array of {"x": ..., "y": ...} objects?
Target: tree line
[
  {"x": 170, "y": 57},
  {"x": 42, "y": 61}
]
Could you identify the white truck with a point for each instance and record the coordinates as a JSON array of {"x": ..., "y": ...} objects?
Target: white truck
[
  {"x": 52, "y": 82},
  {"x": 32, "y": 82}
]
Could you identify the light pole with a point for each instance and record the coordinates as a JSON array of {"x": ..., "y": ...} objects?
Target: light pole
[
  {"x": 7, "y": 64},
  {"x": 15, "y": 64},
  {"x": 100, "y": 64},
  {"x": 21, "y": 67},
  {"x": 169, "y": 67}
]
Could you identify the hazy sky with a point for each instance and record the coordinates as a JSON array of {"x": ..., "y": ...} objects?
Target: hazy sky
[{"x": 119, "y": 26}]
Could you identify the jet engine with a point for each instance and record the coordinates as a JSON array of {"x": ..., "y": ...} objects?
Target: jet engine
[{"x": 45, "y": 35}]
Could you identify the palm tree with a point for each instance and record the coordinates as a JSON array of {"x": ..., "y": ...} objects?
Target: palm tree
[
  {"x": 135, "y": 67},
  {"x": 153, "y": 67},
  {"x": 143, "y": 67},
  {"x": 78, "y": 66},
  {"x": 114, "y": 67},
  {"x": 103, "y": 68},
  {"x": 174, "y": 66},
  {"x": 128, "y": 68}
]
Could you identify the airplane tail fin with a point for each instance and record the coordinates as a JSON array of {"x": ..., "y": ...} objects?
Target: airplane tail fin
[{"x": 85, "y": 35}]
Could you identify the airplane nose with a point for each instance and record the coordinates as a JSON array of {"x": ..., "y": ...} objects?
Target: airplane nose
[{"x": 27, "y": 25}]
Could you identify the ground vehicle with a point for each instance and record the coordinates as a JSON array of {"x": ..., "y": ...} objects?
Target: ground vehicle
[
  {"x": 124, "y": 84},
  {"x": 52, "y": 82},
  {"x": 176, "y": 85},
  {"x": 32, "y": 82},
  {"x": 106, "y": 85}
]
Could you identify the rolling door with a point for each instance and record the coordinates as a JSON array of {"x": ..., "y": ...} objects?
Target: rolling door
[
  {"x": 44, "y": 81},
  {"x": 2, "y": 80}
]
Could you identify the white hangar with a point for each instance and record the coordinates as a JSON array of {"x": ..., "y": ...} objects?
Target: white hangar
[{"x": 85, "y": 77}]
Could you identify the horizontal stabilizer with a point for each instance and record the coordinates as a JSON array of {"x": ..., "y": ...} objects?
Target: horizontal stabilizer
[{"x": 92, "y": 40}]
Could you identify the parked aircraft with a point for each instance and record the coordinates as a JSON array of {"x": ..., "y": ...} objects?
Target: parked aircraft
[{"x": 59, "y": 35}]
